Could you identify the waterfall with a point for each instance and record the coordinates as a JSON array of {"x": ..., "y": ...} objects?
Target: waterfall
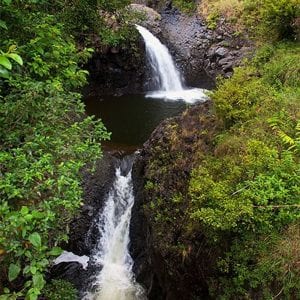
[
  {"x": 164, "y": 69},
  {"x": 161, "y": 62},
  {"x": 116, "y": 280}
]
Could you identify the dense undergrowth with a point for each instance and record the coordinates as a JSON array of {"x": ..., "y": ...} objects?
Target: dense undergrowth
[
  {"x": 46, "y": 138},
  {"x": 248, "y": 189},
  {"x": 230, "y": 219},
  {"x": 265, "y": 20},
  {"x": 186, "y": 6}
]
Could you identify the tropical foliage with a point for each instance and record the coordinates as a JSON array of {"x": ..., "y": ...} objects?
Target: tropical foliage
[{"x": 46, "y": 138}]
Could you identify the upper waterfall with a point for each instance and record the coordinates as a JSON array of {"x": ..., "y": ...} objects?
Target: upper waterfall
[
  {"x": 161, "y": 62},
  {"x": 164, "y": 69}
]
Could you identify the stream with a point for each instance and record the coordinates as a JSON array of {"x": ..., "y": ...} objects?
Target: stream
[{"x": 131, "y": 119}]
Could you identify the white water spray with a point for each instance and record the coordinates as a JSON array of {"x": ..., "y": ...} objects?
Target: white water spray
[
  {"x": 171, "y": 87},
  {"x": 116, "y": 279}
]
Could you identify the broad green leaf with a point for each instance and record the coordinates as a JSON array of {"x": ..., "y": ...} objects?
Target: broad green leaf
[
  {"x": 33, "y": 270},
  {"x": 44, "y": 262},
  {"x": 32, "y": 294},
  {"x": 55, "y": 251},
  {"x": 17, "y": 58},
  {"x": 26, "y": 270},
  {"x": 13, "y": 272},
  {"x": 4, "y": 72},
  {"x": 37, "y": 214},
  {"x": 38, "y": 281},
  {"x": 28, "y": 217},
  {"x": 28, "y": 254},
  {"x": 24, "y": 231},
  {"x": 35, "y": 240},
  {"x": 4, "y": 61}
]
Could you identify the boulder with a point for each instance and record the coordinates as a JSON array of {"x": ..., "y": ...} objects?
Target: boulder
[
  {"x": 151, "y": 18},
  {"x": 158, "y": 262},
  {"x": 221, "y": 52}
]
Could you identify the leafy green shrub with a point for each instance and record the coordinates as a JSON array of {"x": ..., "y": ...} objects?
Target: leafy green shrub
[
  {"x": 6, "y": 59},
  {"x": 255, "y": 88},
  {"x": 113, "y": 5},
  {"x": 231, "y": 10},
  {"x": 109, "y": 20},
  {"x": 274, "y": 18},
  {"x": 238, "y": 98},
  {"x": 284, "y": 67},
  {"x": 46, "y": 139},
  {"x": 60, "y": 289},
  {"x": 187, "y": 6},
  {"x": 266, "y": 20},
  {"x": 245, "y": 193}
]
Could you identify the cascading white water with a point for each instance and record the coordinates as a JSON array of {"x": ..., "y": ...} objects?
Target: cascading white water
[
  {"x": 161, "y": 62},
  {"x": 163, "y": 67},
  {"x": 116, "y": 279}
]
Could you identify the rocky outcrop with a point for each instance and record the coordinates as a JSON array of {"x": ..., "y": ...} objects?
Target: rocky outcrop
[
  {"x": 170, "y": 263},
  {"x": 150, "y": 18},
  {"x": 82, "y": 238},
  {"x": 199, "y": 50},
  {"x": 117, "y": 70}
]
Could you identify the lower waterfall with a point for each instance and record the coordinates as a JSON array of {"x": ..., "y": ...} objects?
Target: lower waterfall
[{"x": 115, "y": 281}]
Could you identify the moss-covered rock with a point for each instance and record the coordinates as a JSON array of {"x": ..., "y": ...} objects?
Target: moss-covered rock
[{"x": 165, "y": 164}]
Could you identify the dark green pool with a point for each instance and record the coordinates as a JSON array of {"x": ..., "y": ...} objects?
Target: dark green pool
[{"x": 131, "y": 118}]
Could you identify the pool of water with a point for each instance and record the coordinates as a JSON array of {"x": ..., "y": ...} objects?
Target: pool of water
[{"x": 131, "y": 118}]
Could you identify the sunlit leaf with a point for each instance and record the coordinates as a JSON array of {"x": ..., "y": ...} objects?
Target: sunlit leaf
[
  {"x": 55, "y": 251},
  {"x": 4, "y": 61},
  {"x": 17, "y": 58},
  {"x": 35, "y": 240}
]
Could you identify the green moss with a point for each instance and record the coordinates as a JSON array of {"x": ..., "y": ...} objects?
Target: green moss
[
  {"x": 212, "y": 20},
  {"x": 177, "y": 198},
  {"x": 149, "y": 185}
]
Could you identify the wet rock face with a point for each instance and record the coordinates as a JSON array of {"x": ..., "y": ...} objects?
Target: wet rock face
[
  {"x": 199, "y": 50},
  {"x": 96, "y": 186},
  {"x": 117, "y": 70},
  {"x": 83, "y": 233}
]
